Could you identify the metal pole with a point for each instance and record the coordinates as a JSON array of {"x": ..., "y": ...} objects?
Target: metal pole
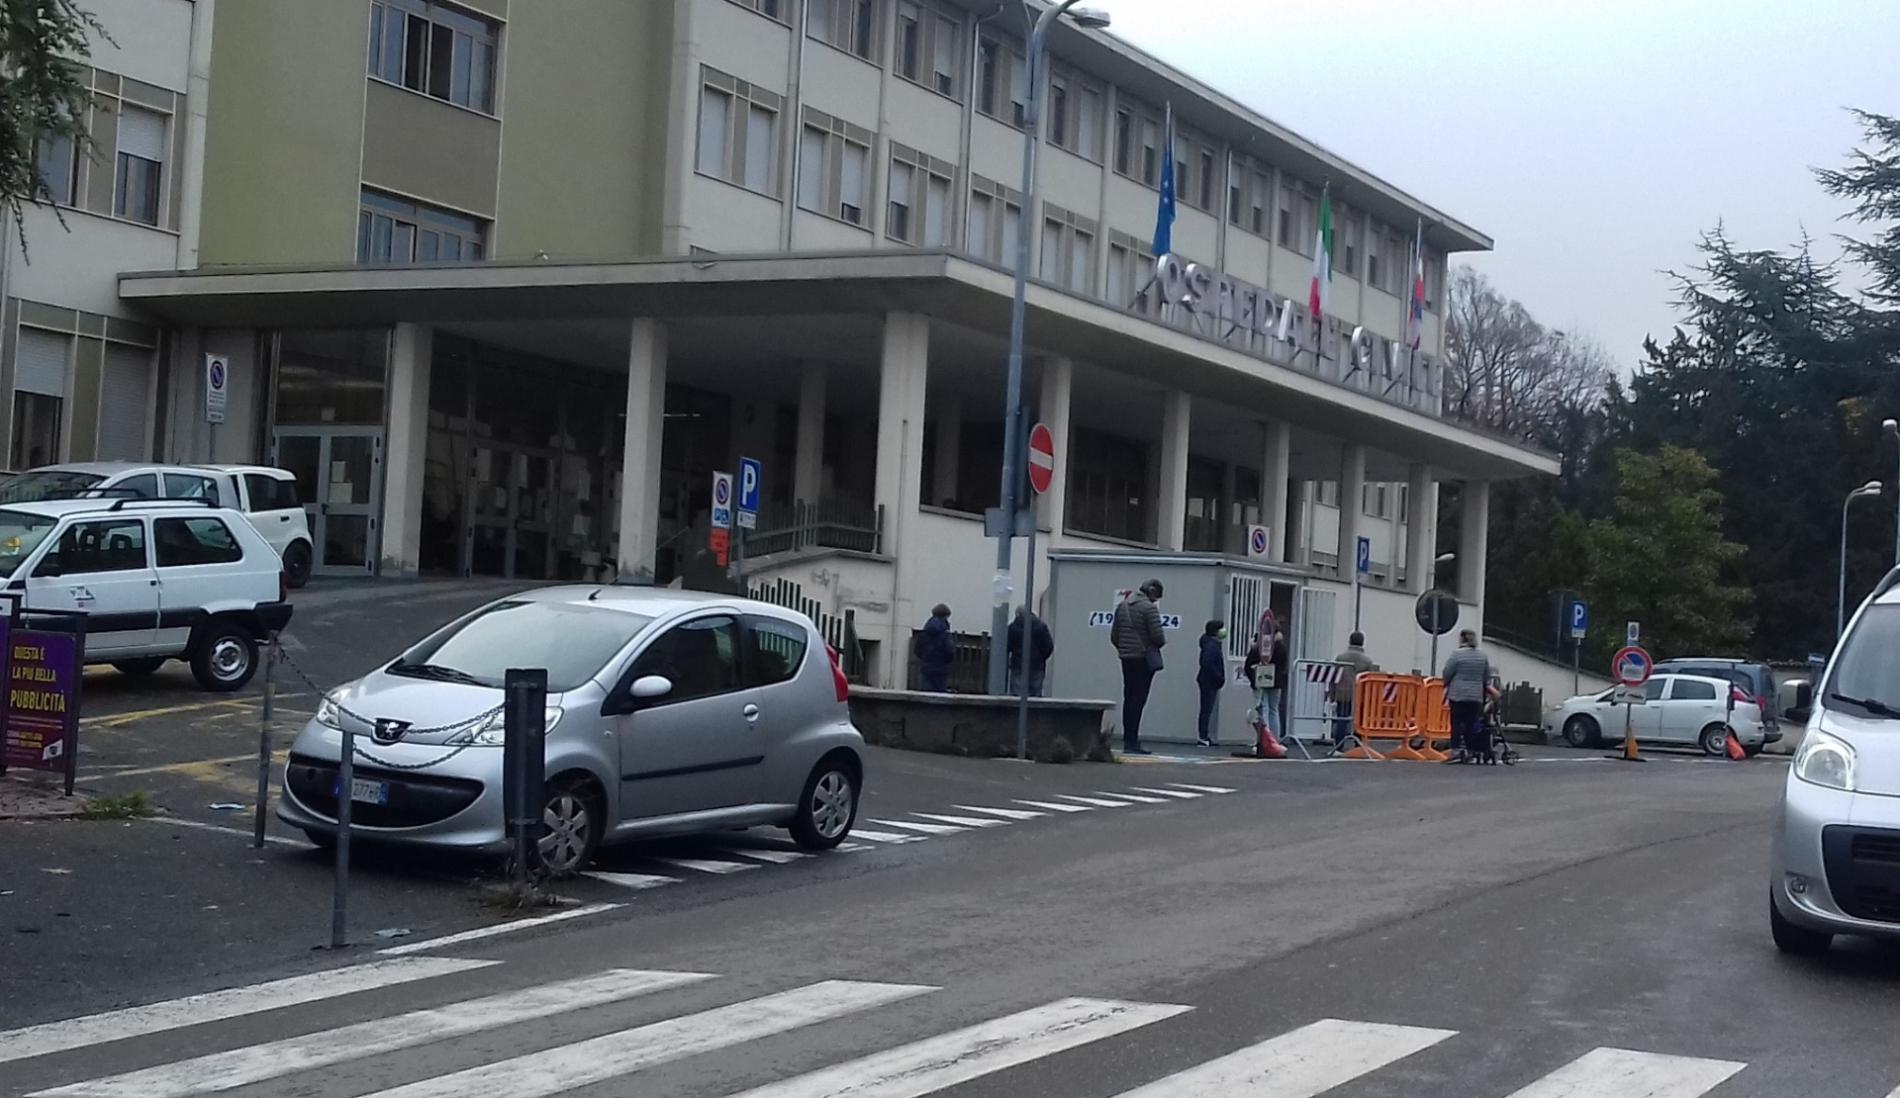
[
  {"x": 1358, "y": 598},
  {"x": 1576, "y": 666},
  {"x": 1013, "y": 396},
  {"x": 1432, "y": 668},
  {"x": 345, "y": 779},
  {"x": 1029, "y": 645},
  {"x": 263, "y": 740},
  {"x": 1840, "y": 606},
  {"x": 738, "y": 558}
]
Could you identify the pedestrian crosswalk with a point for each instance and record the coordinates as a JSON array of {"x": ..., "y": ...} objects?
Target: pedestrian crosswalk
[
  {"x": 875, "y": 832},
  {"x": 452, "y": 1048}
]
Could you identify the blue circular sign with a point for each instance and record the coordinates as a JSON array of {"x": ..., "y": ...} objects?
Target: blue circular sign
[
  {"x": 723, "y": 492},
  {"x": 217, "y": 375},
  {"x": 1258, "y": 541}
]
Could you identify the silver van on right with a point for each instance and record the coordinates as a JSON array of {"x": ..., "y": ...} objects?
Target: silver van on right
[{"x": 1836, "y": 861}]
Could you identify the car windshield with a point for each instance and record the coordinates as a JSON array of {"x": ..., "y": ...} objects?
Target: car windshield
[
  {"x": 46, "y": 484},
  {"x": 572, "y": 640},
  {"x": 20, "y": 534},
  {"x": 1865, "y": 678}
]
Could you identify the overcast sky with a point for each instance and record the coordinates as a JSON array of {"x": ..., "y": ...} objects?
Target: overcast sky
[{"x": 1592, "y": 139}]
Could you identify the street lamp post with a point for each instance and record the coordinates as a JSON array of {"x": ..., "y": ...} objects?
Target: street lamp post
[
  {"x": 1013, "y": 396},
  {"x": 1871, "y": 488},
  {"x": 1892, "y": 427}
]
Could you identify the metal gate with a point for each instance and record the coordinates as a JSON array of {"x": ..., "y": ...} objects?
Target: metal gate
[{"x": 1317, "y": 610}]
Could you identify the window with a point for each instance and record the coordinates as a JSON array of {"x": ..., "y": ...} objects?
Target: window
[
  {"x": 918, "y": 182},
  {"x": 438, "y": 51},
  {"x": 1124, "y": 137},
  {"x": 926, "y": 47},
  {"x": 699, "y": 657},
  {"x": 738, "y": 132},
  {"x": 1075, "y": 114},
  {"x": 56, "y": 164},
  {"x": 390, "y": 230},
  {"x": 141, "y": 165},
  {"x": 142, "y": 486},
  {"x": 41, "y": 372},
  {"x": 1067, "y": 256},
  {"x": 1129, "y": 264},
  {"x": 774, "y": 9},
  {"x": 1653, "y": 689},
  {"x": 191, "y": 486},
  {"x": 777, "y": 650},
  {"x": 115, "y": 545},
  {"x": 573, "y": 641},
  {"x": 1375, "y": 260},
  {"x": 996, "y": 220},
  {"x": 1108, "y": 485},
  {"x": 36, "y": 419},
  {"x": 1346, "y": 258},
  {"x": 849, "y": 25},
  {"x": 183, "y": 542},
  {"x": 1434, "y": 280},
  {"x": 270, "y": 493},
  {"x": 833, "y": 168},
  {"x": 1693, "y": 690},
  {"x": 1002, "y": 82},
  {"x": 1151, "y": 154},
  {"x": 1250, "y": 195},
  {"x": 945, "y": 55},
  {"x": 1206, "y": 180}
]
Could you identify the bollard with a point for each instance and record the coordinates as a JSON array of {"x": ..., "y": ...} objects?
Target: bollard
[
  {"x": 263, "y": 740},
  {"x": 524, "y": 761},
  {"x": 345, "y": 781}
]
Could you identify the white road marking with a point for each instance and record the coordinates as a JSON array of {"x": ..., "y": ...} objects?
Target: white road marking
[
  {"x": 1097, "y": 802},
  {"x": 1178, "y": 794},
  {"x": 766, "y": 854},
  {"x": 1006, "y": 813},
  {"x": 1138, "y": 798},
  {"x": 851, "y": 847},
  {"x": 884, "y": 836},
  {"x": 927, "y": 1066},
  {"x": 479, "y": 933},
  {"x": 1308, "y": 1061},
  {"x": 631, "y": 880},
  {"x": 1202, "y": 788},
  {"x": 198, "y": 825},
  {"x": 217, "y": 1006},
  {"x": 960, "y": 821},
  {"x": 1620, "y": 1073},
  {"x": 708, "y": 865},
  {"x": 1054, "y": 806},
  {"x": 928, "y": 829},
  {"x": 292, "y": 1055},
  {"x": 569, "y": 1067}
]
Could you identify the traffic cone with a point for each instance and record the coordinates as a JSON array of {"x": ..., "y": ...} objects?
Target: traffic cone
[
  {"x": 1734, "y": 747},
  {"x": 1266, "y": 746}
]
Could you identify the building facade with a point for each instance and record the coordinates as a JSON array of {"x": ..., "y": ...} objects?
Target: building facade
[{"x": 505, "y": 282}]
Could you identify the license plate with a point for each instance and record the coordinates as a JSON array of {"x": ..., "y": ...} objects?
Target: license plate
[{"x": 367, "y": 792}]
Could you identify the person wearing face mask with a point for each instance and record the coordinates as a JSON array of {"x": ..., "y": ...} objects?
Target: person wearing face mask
[{"x": 1137, "y": 637}]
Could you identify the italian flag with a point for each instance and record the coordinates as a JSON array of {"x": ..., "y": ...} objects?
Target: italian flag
[{"x": 1322, "y": 287}]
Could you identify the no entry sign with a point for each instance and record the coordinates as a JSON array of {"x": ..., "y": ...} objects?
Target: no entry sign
[
  {"x": 1042, "y": 458},
  {"x": 1632, "y": 666}
]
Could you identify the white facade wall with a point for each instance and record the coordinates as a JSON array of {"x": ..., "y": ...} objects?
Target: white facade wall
[{"x": 1557, "y": 681}]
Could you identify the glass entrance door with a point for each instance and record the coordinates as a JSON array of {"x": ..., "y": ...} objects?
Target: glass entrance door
[{"x": 339, "y": 474}]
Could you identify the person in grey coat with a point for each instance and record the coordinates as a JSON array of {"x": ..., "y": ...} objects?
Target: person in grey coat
[
  {"x": 1137, "y": 637},
  {"x": 1467, "y": 674}
]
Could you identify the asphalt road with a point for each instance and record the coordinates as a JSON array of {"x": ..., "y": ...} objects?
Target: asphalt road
[{"x": 1568, "y": 927}]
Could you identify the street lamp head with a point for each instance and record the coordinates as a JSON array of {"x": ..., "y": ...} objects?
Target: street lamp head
[
  {"x": 1089, "y": 18},
  {"x": 1892, "y": 427},
  {"x": 1871, "y": 488},
  {"x": 1446, "y": 558}
]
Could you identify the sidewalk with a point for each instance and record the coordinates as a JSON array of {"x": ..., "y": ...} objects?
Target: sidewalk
[{"x": 38, "y": 797}]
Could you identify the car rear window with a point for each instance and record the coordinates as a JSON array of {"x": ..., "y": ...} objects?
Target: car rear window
[
  {"x": 778, "y": 647},
  {"x": 270, "y": 493},
  {"x": 572, "y": 640},
  {"x": 46, "y": 484},
  {"x": 183, "y": 542}
]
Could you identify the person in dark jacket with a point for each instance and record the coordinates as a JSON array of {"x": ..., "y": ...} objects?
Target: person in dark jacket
[
  {"x": 1210, "y": 677},
  {"x": 936, "y": 651},
  {"x": 1137, "y": 637},
  {"x": 1042, "y": 645},
  {"x": 1266, "y": 670}
]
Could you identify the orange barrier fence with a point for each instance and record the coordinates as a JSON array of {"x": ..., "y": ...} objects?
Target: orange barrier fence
[
  {"x": 1404, "y": 709},
  {"x": 1434, "y": 714}
]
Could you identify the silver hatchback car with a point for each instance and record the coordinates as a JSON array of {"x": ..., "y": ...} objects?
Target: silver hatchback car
[
  {"x": 669, "y": 712},
  {"x": 1836, "y": 867}
]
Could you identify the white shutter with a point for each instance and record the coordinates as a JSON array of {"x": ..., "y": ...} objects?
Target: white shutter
[
  {"x": 758, "y": 148},
  {"x": 812, "y": 144},
  {"x": 124, "y": 404},
  {"x": 851, "y": 182},
  {"x": 715, "y": 132},
  {"x": 1049, "y": 263},
  {"x": 40, "y": 363},
  {"x": 142, "y": 134},
  {"x": 978, "y": 241},
  {"x": 936, "y": 200}
]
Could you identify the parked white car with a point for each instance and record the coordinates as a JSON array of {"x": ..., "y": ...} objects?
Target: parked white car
[
  {"x": 157, "y": 580},
  {"x": 267, "y": 497},
  {"x": 1679, "y": 710}
]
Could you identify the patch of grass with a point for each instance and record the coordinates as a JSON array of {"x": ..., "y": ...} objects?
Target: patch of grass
[{"x": 126, "y": 807}]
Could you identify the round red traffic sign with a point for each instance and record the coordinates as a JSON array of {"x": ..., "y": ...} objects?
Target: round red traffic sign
[
  {"x": 1042, "y": 458},
  {"x": 1632, "y": 666}
]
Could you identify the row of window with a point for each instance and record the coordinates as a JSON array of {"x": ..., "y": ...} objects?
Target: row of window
[
  {"x": 136, "y": 158},
  {"x": 433, "y": 49},
  {"x": 119, "y": 545},
  {"x": 394, "y": 230}
]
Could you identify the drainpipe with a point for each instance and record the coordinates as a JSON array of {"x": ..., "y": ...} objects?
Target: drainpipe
[
  {"x": 795, "y": 105},
  {"x": 969, "y": 123}
]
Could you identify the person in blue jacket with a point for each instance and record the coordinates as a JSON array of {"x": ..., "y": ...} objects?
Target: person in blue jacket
[
  {"x": 936, "y": 652},
  {"x": 1211, "y": 676}
]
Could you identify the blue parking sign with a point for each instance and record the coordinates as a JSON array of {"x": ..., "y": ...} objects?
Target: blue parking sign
[
  {"x": 1363, "y": 558},
  {"x": 751, "y": 476},
  {"x": 1579, "y": 616}
]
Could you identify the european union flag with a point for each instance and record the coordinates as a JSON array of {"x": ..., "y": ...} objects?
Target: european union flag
[{"x": 1164, "y": 213}]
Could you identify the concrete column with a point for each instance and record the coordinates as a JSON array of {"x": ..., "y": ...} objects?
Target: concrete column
[
  {"x": 903, "y": 372},
  {"x": 949, "y": 451},
  {"x": 1226, "y": 540},
  {"x": 1058, "y": 388},
  {"x": 640, "y": 467},
  {"x": 406, "y": 449},
  {"x": 1352, "y": 484},
  {"x": 1275, "y": 469},
  {"x": 1395, "y": 537},
  {"x": 1171, "y": 472},
  {"x": 1472, "y": 542},
  {"x": 808, "y": 476},
  {"x": 1421, "y": 530}
]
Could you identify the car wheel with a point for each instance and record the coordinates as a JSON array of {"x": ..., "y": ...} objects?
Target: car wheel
[
  {"x": 1790, "y": 938},
  {"x": 1714, "y": 740},
  {"x": 297, "y": 563},
  {"x": 571, "y": 823},
  {"x": 140, "y": 668},
  {"x": 828, "y": 806},
  {"x": 225, "y": 657},
  {"x": 1581, "y": 731}
]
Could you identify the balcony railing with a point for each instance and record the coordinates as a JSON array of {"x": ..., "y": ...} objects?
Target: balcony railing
[{"x": 826, "y": 524}]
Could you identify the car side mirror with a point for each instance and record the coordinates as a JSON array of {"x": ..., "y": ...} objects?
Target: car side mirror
[{"x": 649, "y": 687}]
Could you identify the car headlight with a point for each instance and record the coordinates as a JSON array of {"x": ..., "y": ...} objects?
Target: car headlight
[
  {"x": 328, "y": 715},
  {"x": 491, "y": 731},
  {"x": 1825, "y": 761}
]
